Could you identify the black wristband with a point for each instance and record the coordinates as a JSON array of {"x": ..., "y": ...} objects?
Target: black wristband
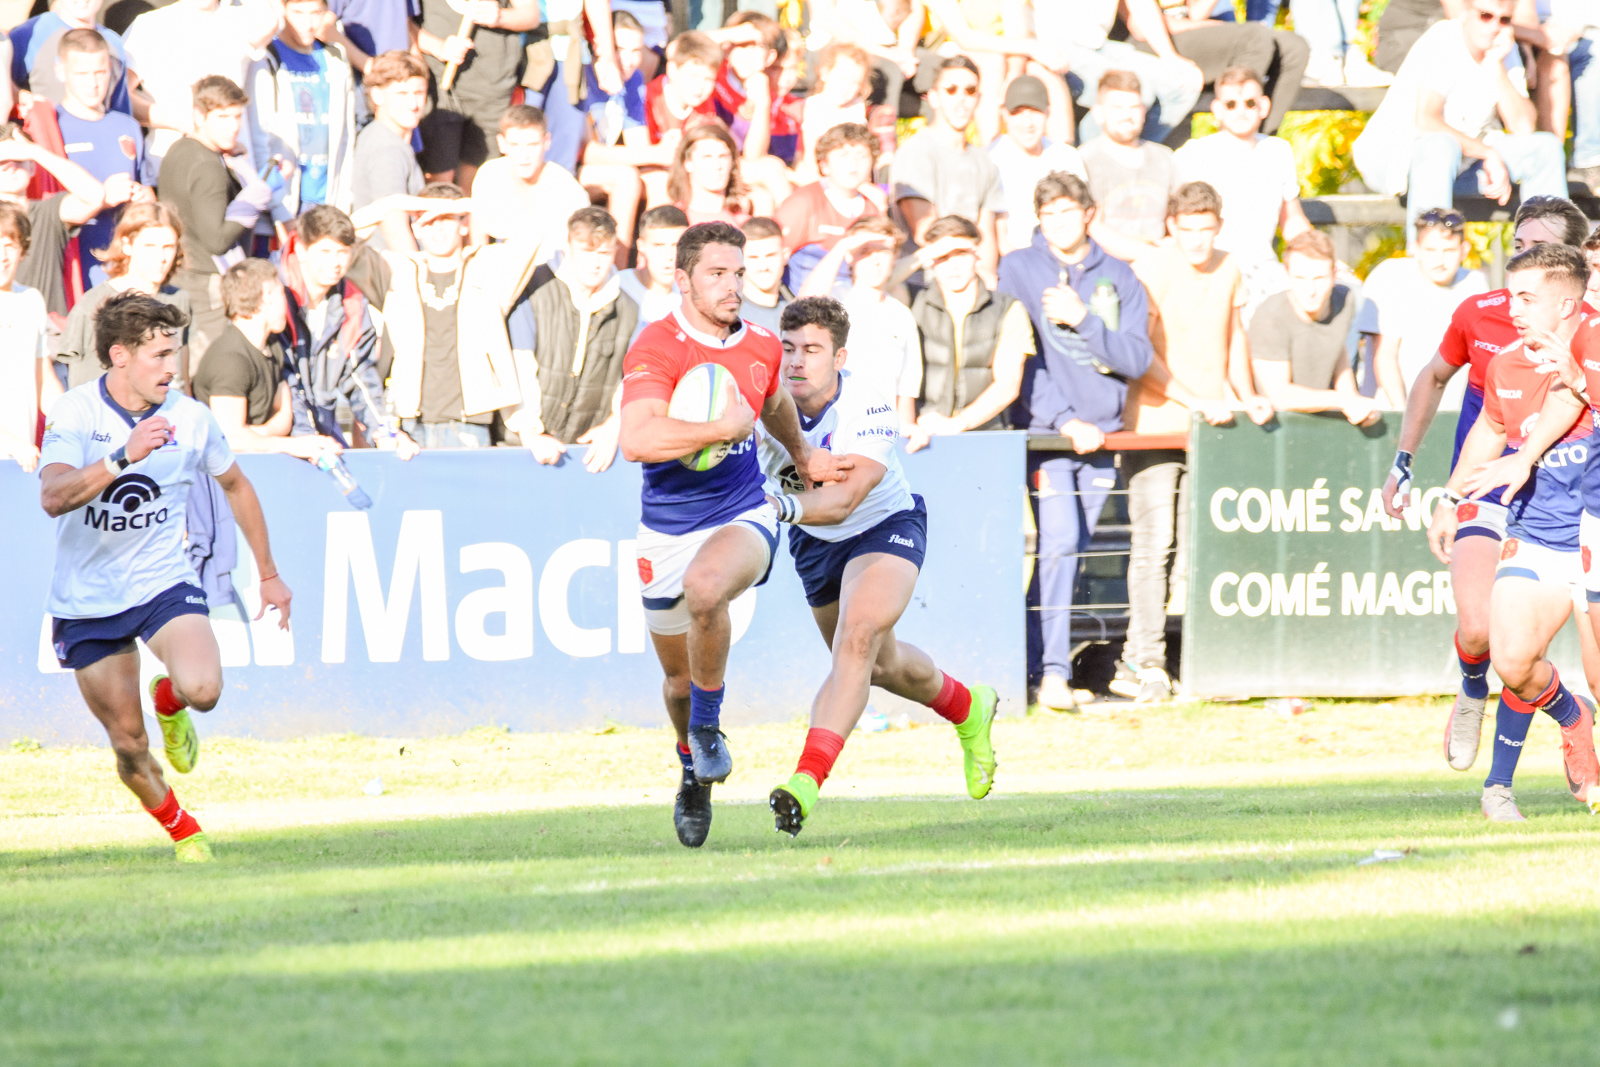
[{"x": 120, "y": 458}]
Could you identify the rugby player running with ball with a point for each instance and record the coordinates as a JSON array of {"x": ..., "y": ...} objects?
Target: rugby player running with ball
[
  {"x": 119, "y": 457},
  {"x": 858, "y": 545},
  {"x": 705, "y": 536}
]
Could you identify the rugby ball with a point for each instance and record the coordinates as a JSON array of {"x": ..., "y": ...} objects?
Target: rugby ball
[{"x": 701, "y": 395}]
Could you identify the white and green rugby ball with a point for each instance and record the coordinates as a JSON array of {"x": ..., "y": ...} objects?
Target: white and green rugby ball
[{"x": 701, "y": 395}]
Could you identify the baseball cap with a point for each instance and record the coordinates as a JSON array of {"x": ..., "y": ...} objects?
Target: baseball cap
[{"x": 1027, "y": 91}]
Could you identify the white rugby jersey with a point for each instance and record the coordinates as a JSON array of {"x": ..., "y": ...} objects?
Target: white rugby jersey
[
  {"x": 858, "y": 421},
  {"x": 127, "y": 544}
]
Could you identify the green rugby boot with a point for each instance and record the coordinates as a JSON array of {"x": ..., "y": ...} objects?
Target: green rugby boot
[
  {"x": 177, "y": 730},
  {"x": 977, "y": 753},
  {"x": 792, "y": 802},
  {"x": 193, "y": 849}
]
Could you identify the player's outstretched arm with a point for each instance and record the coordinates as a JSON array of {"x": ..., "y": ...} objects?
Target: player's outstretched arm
[
  {"x": 1486, "y": 439},
  {"x": 835, "y": 502},
  {"x": 649, "y": 436},
  {"x": 63, "y": 488},
  {"x": 246, "y": 508},
  {"x": 782, "y": 421},
  {"x": 1422, "y": 404},
  {"x": 1561, "y": 409}
]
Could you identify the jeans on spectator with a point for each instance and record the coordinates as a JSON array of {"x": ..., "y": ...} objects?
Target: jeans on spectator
[
  {"x": 1254, "y": 11},
  {"x": 567, "y": 123},
  {"x": 1329, "y": 26},
  {"x": 1535, "y": 161},
  {"x": 1072, "y": 490},
  {"x": 1164, "y": 84},
  {"x": 1585, "y": 64},
  {"x": 446, "y": 434},
  {"x": 1158, "y": 515}
]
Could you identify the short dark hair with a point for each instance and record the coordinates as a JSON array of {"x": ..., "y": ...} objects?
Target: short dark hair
[
  {"x": 15, "y": 224},
  {"x": 591, "y": 226},
  {"x": 760, "y": 228},
  {"x": 1592, "y": 242},
  {"x": 951, "y": 226},
  {"x": 1445, "y": 219},
  {"x": 130, "y": 319},
  {"x": 214, "y": 92},
  {"x": 1058, "y": 184},
  {"x": 1574, "y": 224},
  {"x": 325, "y": 220},
  {"x": 695, "y": 238},
  {"x": 772, "y": 36},
  {"x": 391, "y": 67},
  {"x": 522, "y": 117},
  {"x": 1195, "y": 198},
  {"x": 1562, "y": 264},
  {"x": 847, "y": 133},
  {"x": 663, "y": 217},
  {"x": 692, "y": 46},
  {"x": 626, "y": 20},
  {"x": 822, "y": 311},
  {"x": 1120, "y": 81},
  {"x": 242, "y": 285},
  {"x": 1238, "y": 75},
  {"x": 442, "y": 191},
  {"x": 1312, "y": 243},
  {"x": 955, "y": 63},
  {"x": 89, "y": 41}
]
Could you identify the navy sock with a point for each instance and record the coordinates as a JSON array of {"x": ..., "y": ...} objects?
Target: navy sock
[
  {"x": 1557, "y": 702},
  {"x": 683, "y": 756},
  {"x": 705, "y": 705},
  {"x": 1510, "y": 731},
  {"x": 1474, "y": 673}
]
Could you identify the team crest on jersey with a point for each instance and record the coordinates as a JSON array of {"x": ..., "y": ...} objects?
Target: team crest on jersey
[
  {"x": 827, "y": 442},
  {"x": 129, "y": 149},
  {"x": 760, "y": 376},
  {"x": 1509, "y": 549}
]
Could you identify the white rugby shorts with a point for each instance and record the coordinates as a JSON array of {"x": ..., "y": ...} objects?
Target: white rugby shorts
[
  {"x": 1481, "y": 518},
  {"x": 664, "y": 559},
  {"x": 1589, "y": 542},
  {"x": 1548, "y": 566}
]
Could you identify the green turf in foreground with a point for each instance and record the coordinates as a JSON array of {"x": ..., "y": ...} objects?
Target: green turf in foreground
[{"x": 1204, "y": 926}]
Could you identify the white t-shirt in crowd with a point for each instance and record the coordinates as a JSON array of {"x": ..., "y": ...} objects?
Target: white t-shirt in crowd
[
  {"x": 858, "y": 421},
  {"x": 1019, "y": 173},
  {"x": 498, "y": 205},
  {"x": 1086, "y": 23},
  {"x": 125, "y": 546},
  {"x": 175, "y": 46},
  {"x": 1439, "y": 62},
  {"x": 23, "y": 343},
  {"x": 885, "y": 349},
  {"x": 1400, "y": 300},
  {"x": 1253, "y": 178}
]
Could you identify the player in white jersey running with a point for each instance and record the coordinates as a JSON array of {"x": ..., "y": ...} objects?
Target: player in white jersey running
[
  {"x": 858, "y": 545},
  {"x": 118, "y": 460}
]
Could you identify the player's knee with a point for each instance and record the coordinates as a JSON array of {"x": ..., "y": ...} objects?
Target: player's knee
[
  {"x": 703, "y": 595},
  {"x": 858, "y": 641},
  {"x": 676, "y": 686},
  {"x": 1515, "y": 672},
  {"x": 202, "y": 694},
  {"x": 131, "y": 751}
]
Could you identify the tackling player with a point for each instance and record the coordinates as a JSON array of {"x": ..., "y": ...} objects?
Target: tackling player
[
  {"x": 1539, "y": 574},
  {"x": 705, "y": 536},
  {"x": 119, "y": 456},
  {"x": 858, "y": 546},
  {"x": 1479, "y": 329}
]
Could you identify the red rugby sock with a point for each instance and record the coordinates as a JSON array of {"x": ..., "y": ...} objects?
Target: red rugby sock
[
  {"x": 178, "y": 823},
  {"x": 822, "y": 748},
  {"x": 165, "y": 700},
  {"x": 953, "y": 702}
]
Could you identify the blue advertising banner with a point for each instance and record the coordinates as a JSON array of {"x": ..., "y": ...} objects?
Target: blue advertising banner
[{"x": 483, "y": 588}]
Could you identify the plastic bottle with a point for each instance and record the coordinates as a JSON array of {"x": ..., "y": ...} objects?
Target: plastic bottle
[
  {"x": 335, "y": 467},
  {"x": 1106, "y": 303},
  {"x": 1288, "y": 706}
]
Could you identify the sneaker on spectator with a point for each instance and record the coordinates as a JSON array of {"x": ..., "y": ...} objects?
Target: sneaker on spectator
[
  {"x": 1359, "y": 72},
  {"x": 1125, "y": 683},
  {"x": 1588, "y": 177},
  {"x": 1155, "y": 686},
  {"x": 1056, "y": 694},
  {"x": 1323, "y": 70}
]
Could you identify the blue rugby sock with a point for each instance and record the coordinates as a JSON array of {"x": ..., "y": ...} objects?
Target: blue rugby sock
[
  {"x": 1556, "y": 701},
  {"x": 1474, "y": 673},
  {"x": 683, "y": 756},
  {"x": 705, "y": 705},
  {"x": 1511, "y": 721}
]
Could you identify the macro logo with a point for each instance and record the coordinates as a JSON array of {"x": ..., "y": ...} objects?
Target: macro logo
[{"x": 123, "y": 499}]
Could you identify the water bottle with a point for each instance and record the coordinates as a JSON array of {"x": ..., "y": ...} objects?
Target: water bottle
[
  {"x": 1288, "y": 706},
  {"x": 334, "y": 466},
  {"x": 1106, "y": 303}
]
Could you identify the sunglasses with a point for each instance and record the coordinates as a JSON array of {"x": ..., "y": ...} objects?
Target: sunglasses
[
  {"x": 1438, "y": 216},
  {"x": 1489, "y": 16},
  {"x": 1248, "y": 105},
  {"x": 952, "y": 90}
]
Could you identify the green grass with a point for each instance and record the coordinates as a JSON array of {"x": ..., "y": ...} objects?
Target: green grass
[{"x": 1197, "y": 902}]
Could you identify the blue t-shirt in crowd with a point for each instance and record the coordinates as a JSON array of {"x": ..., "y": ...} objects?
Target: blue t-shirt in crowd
[
  {"x": 614, "y": 114},
  {"x": 112, "y": 144},
  {"x": 377, "y": 26},
  {"x": 308, "y": 80},
  {"x": 33, "y": 60}
]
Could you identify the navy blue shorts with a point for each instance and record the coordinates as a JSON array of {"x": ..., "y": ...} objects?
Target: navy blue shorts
[
  {"x": 821, "y": 564},
  {"x": 80, "y": 643}
]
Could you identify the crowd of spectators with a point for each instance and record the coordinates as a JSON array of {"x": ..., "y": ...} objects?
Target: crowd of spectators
[{"x": 420, "y": 224}]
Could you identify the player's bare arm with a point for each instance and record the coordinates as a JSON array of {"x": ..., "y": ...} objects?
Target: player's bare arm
[
  {"x": 650, "y": 435},
  {"x": 246, "y": 508},
  {"x": 782, "y": 421},
  {"x": 63, "y": 488},
  {"x": 1486, "y": 440},
  {"x": 833, "y": 503},
  {"x": 1422, "y": 404},
  {"x": 1562, "y": 407}
]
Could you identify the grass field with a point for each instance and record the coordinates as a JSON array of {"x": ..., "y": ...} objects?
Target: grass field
[{"x": 1164, "y": 886}]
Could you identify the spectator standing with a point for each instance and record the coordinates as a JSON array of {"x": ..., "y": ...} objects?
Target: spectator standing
[
  {"x": 385, "y": 165},
  {"x": 172, "y": 48},
  {"x": 36, "y": 56},
  {"x": 458, "y": 135},
  {"x": 302, "y": 108},
  {"x": 1255, "y": 176},
  {"x": 218, "y": 199},
  {"x": 1409, "y": 303},
  {"x": 1090, "y": 316},
  {"x": 141, "y": 255},
  {"x": 366, "y": 29},
  {"x": 651, "y": 284},
  {"x": 936, "y": 172},
  {"x": 705, "y": 183},
  {"x": 1299, "y": 339},
  {"x": 1579, "y": 20},
  {"x": 584, "y": 322},
  {"x": 617, "y": 141},
  {"x": 888, "y": 348},
  {"x": 51, "y": 221},
  {"x": 107, "y": 144},
  {"x": 1439, "y": 113},
  {"x": 1200, "y": 363},
  {"x": 815, "y": 216},
  {"x": 521, "y": 193},
  {"x": 1038, "y": 129},
  {"x": 25, "y": 377},
  {"x": 839, "y": 99},
  {"x": 765, "y": 295},
  {"x": 242, "y": 380},
  {"x": 1130, "y": 178},
  {"x": 680, "y": 97},
  {"x": 751, "y": 101},
  {"x": 564, "y": 73}
]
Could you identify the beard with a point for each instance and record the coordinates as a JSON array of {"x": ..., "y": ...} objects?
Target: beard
[{"x": 714, "y": 311}]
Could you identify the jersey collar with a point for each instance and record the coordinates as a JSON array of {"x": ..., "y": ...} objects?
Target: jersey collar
[
  {"x": 811, "y": 424},
  {"x": 127, "y": 416},
  {"x": 735, "y": 335}
]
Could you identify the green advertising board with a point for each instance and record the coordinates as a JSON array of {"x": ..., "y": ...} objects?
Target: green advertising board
[{"x": 1299, "y": 584}]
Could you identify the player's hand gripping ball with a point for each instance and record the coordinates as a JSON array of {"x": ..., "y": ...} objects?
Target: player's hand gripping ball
[{"x": 701, "y": 395}]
